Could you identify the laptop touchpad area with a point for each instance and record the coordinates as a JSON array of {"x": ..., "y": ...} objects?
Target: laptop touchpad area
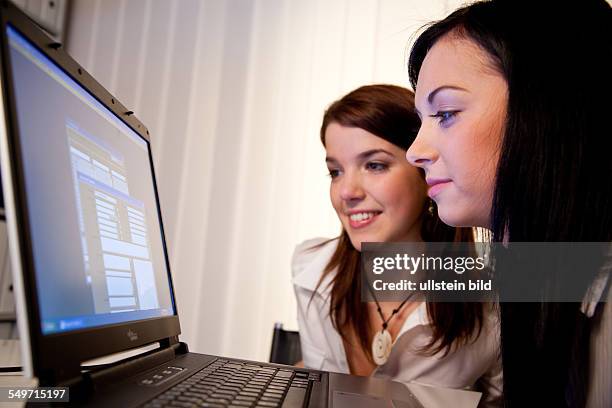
[
  {"x": 349, "y": 391},
  {"x": 350, "y": 400}
]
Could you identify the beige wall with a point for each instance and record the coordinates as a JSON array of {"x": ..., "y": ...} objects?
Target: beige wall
[{"x": 233, "y": 93}]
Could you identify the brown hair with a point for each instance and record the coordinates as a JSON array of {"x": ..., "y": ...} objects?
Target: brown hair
[{"x": 388, "y": 112}]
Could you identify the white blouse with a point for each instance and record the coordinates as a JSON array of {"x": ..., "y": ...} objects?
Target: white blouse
[{"x": 475, "y": 366}]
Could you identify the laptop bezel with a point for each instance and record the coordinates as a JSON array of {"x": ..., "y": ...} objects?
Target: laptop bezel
[{"x": 49, "y": 365}]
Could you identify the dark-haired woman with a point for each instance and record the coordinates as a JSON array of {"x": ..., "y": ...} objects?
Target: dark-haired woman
[
  {"x": 379, "y": 197},
  {"x": 513, "y": 139}
]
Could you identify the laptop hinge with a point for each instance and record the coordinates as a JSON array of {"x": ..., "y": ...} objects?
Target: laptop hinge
[
  {"x": 87, "y": 382},
  {"x": 134, "y": 365}
]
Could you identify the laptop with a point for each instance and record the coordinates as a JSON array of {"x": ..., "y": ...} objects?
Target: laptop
[{"x": 88, "y": 251}]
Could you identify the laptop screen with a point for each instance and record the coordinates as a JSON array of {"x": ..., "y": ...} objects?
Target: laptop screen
[{"x": 94, "y": 220}]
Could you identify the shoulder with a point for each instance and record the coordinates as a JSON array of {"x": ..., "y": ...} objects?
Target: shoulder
[
  {"x": 309, "y": 261},
  {"x": 316, "y": 251}
]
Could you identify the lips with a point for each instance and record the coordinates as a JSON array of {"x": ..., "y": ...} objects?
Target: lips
[{"x": 436, "y": 186}]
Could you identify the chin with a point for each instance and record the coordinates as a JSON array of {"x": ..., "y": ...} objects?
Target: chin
[
  {"x": 357, "y": 240},
  {"x": 452, "y": 217},
  {"x": 456, "y": 218},
  {"x": 356, "y": 244}
]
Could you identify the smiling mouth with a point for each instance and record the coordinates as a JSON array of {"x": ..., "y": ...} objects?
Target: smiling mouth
[{"x": 361, "y": 219}]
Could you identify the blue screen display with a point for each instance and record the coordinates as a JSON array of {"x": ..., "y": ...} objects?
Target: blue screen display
[{"x": 93, "y": 214}]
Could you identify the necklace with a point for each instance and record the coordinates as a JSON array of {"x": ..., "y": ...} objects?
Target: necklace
[{"x": 382, "y": 341}]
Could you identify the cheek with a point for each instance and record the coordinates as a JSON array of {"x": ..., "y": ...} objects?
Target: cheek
[
  {"x": 404, "y": 194},
  {"x": 470, "y": 158},
  {"x": 471, "y": 163},
  {"x": 334, "y": 196},
  {"x": 484, "y": 159}
]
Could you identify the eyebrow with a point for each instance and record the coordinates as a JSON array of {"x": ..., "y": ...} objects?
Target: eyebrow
[
  {"x": 362, "y": 155},
  {"x": 433, "y": 94}
]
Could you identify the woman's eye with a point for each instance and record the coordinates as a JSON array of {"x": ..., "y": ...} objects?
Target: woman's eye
[
  {"x": 444, "y": 116},
  {"x": 334, "y": 173},
  {"x": 376, "y": 166}
]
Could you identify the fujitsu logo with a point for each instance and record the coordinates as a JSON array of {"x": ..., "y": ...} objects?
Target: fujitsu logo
[{"x": 132, "y": 335}]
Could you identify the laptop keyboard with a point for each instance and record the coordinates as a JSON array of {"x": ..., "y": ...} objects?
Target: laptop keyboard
[{"x": 226, "y": 383}]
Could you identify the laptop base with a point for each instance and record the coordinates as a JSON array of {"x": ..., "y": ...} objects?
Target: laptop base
[{"x": 154, "y": 386}]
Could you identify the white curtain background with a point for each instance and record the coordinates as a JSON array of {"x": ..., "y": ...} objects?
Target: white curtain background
[{"x": 233, "y": 93}]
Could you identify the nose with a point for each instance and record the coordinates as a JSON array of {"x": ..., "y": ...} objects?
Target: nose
[
  {"x": 421, "y": 153},
  {"x": 351, "y": 188}
]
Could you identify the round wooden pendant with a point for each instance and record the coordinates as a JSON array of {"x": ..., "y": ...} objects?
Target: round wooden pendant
[{"x": 381, "y": 347}]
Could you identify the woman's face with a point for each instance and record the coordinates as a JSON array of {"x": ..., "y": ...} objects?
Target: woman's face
[
  {"x": 461, "y": 100},
  {"x": 377, "y": 194}
]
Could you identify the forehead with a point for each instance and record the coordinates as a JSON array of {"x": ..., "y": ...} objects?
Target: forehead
[
  {"x": 454, "y": 61},
  {"x": 341, "y": 140}
]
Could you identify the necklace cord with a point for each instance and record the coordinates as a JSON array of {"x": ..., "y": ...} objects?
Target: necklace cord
[{"x": 385, "y": 323}]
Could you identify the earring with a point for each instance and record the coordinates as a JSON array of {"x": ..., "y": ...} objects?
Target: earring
[{"x": 430, "y": 208}]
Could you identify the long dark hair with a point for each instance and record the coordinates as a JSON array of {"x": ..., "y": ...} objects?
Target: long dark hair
[
  {"x": 552, "y": 181},
  {"x": 387, "y": 111}
]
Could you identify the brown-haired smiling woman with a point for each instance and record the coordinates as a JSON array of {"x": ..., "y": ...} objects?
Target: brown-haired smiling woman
[{"x": 379, "y": 197}]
